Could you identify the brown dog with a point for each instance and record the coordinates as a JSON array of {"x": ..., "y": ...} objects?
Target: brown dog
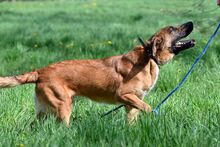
[{"x": 118, "y": 79}]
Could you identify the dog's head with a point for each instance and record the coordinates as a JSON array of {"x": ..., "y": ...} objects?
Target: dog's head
[{"x": 167, "y": 42}]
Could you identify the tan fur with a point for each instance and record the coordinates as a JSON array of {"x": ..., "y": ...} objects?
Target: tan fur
[
  {"x": 12, "y": 81},
  {"x": 8, "y": 82},
  {"x": 118, "y": 79}
]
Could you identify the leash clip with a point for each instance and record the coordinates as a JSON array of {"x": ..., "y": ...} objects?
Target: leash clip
[{"x": 155, "y": 111}]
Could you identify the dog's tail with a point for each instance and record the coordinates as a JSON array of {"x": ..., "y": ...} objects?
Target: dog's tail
[{"x": 11, "y": 81}]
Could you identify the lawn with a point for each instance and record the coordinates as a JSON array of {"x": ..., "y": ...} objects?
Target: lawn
[{"x": 35, "y": 34}]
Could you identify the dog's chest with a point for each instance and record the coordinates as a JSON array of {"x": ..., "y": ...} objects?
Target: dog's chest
[
  {"x": 142, "y": 82},
  {"x": 154, "y": 76},
  {"x": 149, "y": 80}
]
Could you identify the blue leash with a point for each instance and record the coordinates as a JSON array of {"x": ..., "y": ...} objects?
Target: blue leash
[{"x": 156, "y": 110}]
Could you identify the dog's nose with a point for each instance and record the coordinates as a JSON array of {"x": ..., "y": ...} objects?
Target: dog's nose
[{"x": 188, "y": 25}]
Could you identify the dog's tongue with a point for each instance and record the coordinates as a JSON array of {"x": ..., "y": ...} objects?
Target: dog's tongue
[{"x": 185, "y": 44}]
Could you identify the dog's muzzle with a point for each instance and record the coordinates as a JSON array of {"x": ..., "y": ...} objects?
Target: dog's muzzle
[{"x": 180, "y": 45}]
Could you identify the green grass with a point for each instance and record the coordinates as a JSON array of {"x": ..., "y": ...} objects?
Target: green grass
[{"x": 34, "y": 34}]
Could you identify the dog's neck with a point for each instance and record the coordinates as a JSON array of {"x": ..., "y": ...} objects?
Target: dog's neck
[
  {"x": 137, "y": 56},
  {"x": 133, "y": 62}
]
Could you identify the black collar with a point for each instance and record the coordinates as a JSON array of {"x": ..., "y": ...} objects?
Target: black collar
[{"x": 148, "y": 50}]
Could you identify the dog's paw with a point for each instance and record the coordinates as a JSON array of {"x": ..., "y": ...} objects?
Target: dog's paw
[{"x": 148, "y": 109}]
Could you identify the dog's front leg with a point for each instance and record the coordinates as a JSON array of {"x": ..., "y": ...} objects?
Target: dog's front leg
[
  {"x": 133, "y": 100},
  {"x": 132, "y": 113}
]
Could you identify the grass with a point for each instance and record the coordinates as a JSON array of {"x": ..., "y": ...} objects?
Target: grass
[{"x": 34, "y": 34}]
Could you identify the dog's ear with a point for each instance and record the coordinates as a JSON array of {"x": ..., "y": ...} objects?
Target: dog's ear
[{"x": 156, "y": 44}]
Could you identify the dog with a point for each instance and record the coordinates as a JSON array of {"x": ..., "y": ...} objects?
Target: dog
[{"x": 122, "y": 79}]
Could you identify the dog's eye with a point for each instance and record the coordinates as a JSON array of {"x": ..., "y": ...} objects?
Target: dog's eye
[{"x": 172, "y": 29}]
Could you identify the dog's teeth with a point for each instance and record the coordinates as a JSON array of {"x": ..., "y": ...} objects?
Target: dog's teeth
[{"x": 179, "y": 43}]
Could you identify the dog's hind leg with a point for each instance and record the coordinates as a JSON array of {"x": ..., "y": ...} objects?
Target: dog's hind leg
[
  {"x": 57, "y": 100},
  {"x": 64, "y": 111},
  {"x": 40, "y": 108}
]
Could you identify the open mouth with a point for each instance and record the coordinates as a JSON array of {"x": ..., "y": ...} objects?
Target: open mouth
[
  {"x": 184, "y": 44},
  {"x": 180, "y": 45}
]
